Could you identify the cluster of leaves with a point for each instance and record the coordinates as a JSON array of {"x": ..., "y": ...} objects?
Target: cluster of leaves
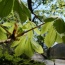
[{"x": 19, "y": 34}]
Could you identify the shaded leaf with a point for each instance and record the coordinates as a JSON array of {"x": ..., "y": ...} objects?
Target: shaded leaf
[
  {"x": 21, "y": 11},
  {"x": 49, "y": 19},
  {"x": 5, "y": 7},
  {"x": 63, "y": 38},
  {"x": 59, "y": 25}
]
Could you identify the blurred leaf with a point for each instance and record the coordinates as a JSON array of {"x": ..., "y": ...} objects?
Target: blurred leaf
[
  {"x": 59, "y": 25},
  {"x": 59, "y": 39},
  {"x": 37, "y": 31},
  {"x": 5, "y": 7},
  {"x": 63, "y": 38},
  {"x": 46, "y": 27},
  {"x": 3, "y": 36},
  {"x": 26, "y": 10},
  {"x": 20, "y": 48},
  {"x": 30, "y": 34},
  {"x": 36, "y": 46},
  {"x": 50, "y": 37},
  {"x": 21, "y": 11},
  {"x": 50, "y": 19},
  {"x": 28, "y": 48}
]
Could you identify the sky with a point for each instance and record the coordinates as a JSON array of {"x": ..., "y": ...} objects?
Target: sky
[{"x": 43, "y": 7}]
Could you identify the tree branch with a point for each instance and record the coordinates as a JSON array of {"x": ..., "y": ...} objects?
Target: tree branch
[
  {"x": 30, "y": 8},
  {"x": 30, "y": 30}
]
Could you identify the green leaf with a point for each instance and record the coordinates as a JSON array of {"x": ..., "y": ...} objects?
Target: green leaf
[
  {"x": 58, "y": 38},
  {"x": 8, "y": 56},
  {"x": 3, "y": 35},
  {"x": 20, "y": 48},
  {"x": 50, "y": 19},
  {"x": 28, "y": 48},
  {"x": 10, "y": 26},
  {"x": 30, "y": 34},
  {"x": 36, "y": 46},
  {"x": 59, "y": 25},
  {"x": 21, "y": 11},
  {"x": 37, "y": 31},
  {"x": 50, "y": 37},
  {"x": 63, "y": 38},
  {"x": 26, "y": 10},
  {"x": 46, "y": 27},
  {"x": 5, "y": 7}
]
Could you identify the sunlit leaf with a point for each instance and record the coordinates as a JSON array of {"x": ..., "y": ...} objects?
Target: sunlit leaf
[
  {"x": 30, "y": 34},
  {"x": 46, "y": 27},
  {"x": 50, "y": 37},
  {"x": 37, "y": 31},
  {"x": 3, "y": 35},
  {"x": 20, "y": 48},
  {"x": 28, "y": 48},
  {"x": 59, "y": 38},
  {"x": 36, "y": 46},
  {"x": 10, "y": 26}
]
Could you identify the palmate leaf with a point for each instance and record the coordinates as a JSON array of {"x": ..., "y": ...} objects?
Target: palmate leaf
[
  {"x": 3, "y": 35},
  {"x": 50, "y": 37},
  {"x": 5, "y": 7},
  {"x": 21, "y": 11},
  {"x": 46, "y": 27},
  {"x": 59, "y": 25},
  {"x": 36, "y": 46}
]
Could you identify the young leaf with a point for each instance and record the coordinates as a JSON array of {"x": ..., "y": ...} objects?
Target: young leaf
[
  {"x": 59, "y": 25},
  {"x": 20, "y": 48},
  {"x": 2, "y": 35},
  {"x": 30, "y": 34},
  {"x": 50, "y": 37},
  {"x": 46, "y": 27},
  {"x": 28, "y": 48},
  {"x": 5, "y": 7},
  {"x": 58, "y": 38},
  {"x": 36, "y": 46},
  {"x": 37, "y": 31}
]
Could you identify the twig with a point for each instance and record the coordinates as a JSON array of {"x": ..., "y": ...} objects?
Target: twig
[{"x": 30, "y": 30}]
